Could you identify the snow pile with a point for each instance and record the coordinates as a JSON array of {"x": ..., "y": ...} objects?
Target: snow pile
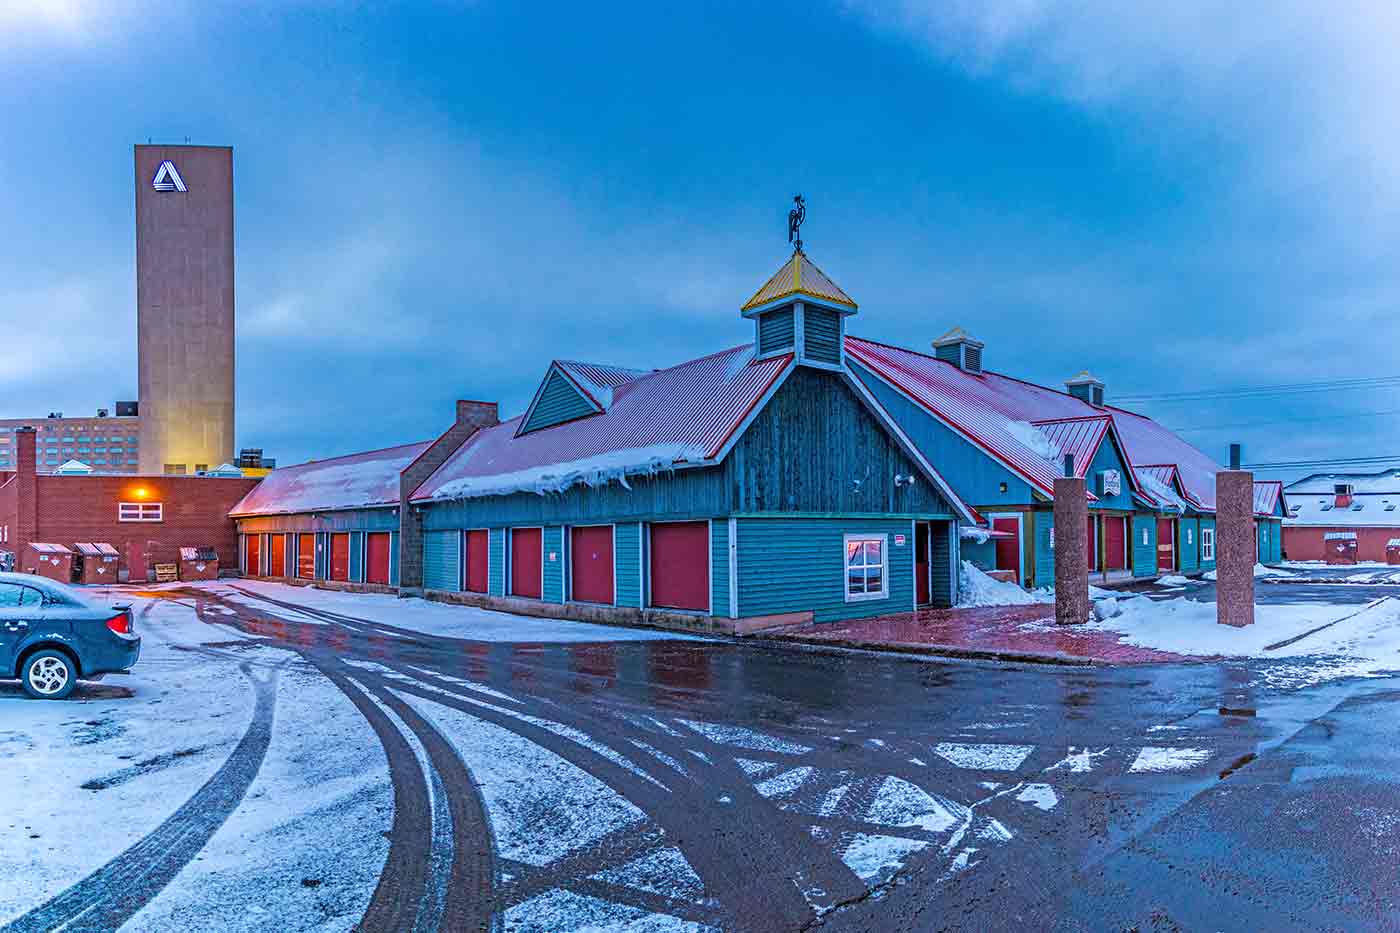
[
  {"x": 1175, "y": 579},
  {"x": 598, "y": 470},
  {"x": 1031, "y": 436},
  {"x": 976, "y": 588},
  {"x": 1260, "y": 571}
]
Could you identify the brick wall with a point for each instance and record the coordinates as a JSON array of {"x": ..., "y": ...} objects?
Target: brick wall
[{"x": 471, "y": 417}]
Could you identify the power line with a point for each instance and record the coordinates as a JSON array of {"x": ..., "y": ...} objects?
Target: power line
[
  {"x": 1265, "y": 391},
  {"x": 1256, "y": 424},
  {"x": 1323, "y": 462}
]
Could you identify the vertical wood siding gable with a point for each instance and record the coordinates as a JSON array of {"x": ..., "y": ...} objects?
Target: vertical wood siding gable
[
  {"x": 559, "y": 402},
  {"x": 553, "y": 591},
  {"x": 776, "y": 331},
  {"x": 821, "y": 331},
  {"x": 627, "y": 564}
]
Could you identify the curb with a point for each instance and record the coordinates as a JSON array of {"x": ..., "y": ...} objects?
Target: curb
[{"x": 945, "y": 651}]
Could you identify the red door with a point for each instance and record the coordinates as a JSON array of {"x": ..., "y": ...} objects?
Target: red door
[
  {"x": 254, "y": 551},
  {"x": 1092, "y": 542},
  {"x": 680, "y": 565},
  {"x": 340, "y": 557},
  {"x": 591, "y": 564},
  {"x": 1115, "y": 543},
  {"x": 306, "y": 557},
  {"x": 377, "y": 558},
  {"x": 526, "y": 547},
  {"x": 1009, "y": 549},
  {"x": 1166, "y": 545},
  {"x": 277, "y": 556},
  {"x": 923, "y": 595},
  {"x": 478, "y": 561}
]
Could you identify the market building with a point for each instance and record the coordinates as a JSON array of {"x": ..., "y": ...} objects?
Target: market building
[{"x": 1345, "y": 517}]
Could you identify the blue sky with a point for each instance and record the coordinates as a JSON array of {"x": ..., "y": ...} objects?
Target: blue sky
[{"x": 435, "y": 200}]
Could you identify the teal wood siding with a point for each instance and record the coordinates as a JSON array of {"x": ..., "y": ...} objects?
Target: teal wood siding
[
  {"x": 776, "y": 331},
  {"x": 1144, "y": 555},
  {"x": 442, "y": 560},
  {"x": 1270, "y": 541},
  {"x": 357, "y": 568},
  {"x": 821, "y": 335},
  {"x": 943, "y": 558},
  {"x": 796, "y": 564},
  {"x": 496, "y": 569},
  {"x": 627, "y": 564},
  {"x": 553, "y": 591},
  {"x": 1188, "y": 537},
  {"x": 975, "y": 475},
  {"x": 980, "y": 554},
  {"x": 1044, "y": 553},
  {"x": 385, "y": 519},
  {"x": 1108, "y": 457},
  {"x": 558, "y": 402},
  {"x": 393, "y": 558},
  {"x": 815, "y": 448},
  {"x": 719, "y": 567},
  {"x": 1208, "y": 522}
]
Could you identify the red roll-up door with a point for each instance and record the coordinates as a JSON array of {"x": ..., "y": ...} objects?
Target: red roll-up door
[
  {"x": 377, "y": 558},
  {"x": 478, "y": 561},
  {"x": 1116, "y": 543},
  {"x": 591, "y": 563},
  {"x": 1009, "y": 549},
  {"x": 1166, "y": 544},
  {"x": 526, "y": 546},
  {"x": 680, "y": 565},
  {"x": 254, "y": 551},
  {"x": 340, "y": 557},
  {"x": 306, "y": 557},
  {"x": 277, "y": 556}
]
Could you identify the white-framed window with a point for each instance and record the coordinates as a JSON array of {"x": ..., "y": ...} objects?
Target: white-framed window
[
  {"x": 867, "y": 569},
  {"x": 140, "y": 512},
  {"x": 1207, "y": 544}
]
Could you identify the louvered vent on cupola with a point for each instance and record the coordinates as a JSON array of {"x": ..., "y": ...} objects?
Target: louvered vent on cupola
[
  {"x": 1087, "y": 388},
  {"x": 961, "y": 349},
  {"x": 803, "y": 312}
]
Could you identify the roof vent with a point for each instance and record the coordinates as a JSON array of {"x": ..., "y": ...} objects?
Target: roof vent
[
  {"x": 961, "y": 349},
  {"x": 1086, "y": 387}
]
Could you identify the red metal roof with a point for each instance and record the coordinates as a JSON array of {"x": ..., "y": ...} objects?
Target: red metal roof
[
  {"x": 986, "y": 408},
  {"x": 1266, "y": 495},
  {"x": 1078, "y": 436},
  {"x": 362, "y": 480},
  {"x": 685, "y": 414},
  {"x": 598, "y": 380}
]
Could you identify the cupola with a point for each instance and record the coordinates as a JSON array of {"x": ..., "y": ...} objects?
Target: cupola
[
  {"x": 961, "y": 349},
  {"x": 1087, "y": 388}
]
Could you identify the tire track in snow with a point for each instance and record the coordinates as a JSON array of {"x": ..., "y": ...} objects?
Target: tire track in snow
[{"x": 112, "y": 894}]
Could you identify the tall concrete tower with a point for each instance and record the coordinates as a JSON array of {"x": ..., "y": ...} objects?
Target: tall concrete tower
[{"x": 184, "y": 306}]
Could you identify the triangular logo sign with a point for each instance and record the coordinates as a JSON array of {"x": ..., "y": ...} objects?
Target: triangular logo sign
[{"x": 168, "y": 178}]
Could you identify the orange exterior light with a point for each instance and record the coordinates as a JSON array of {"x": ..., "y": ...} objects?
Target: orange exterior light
[{"x": 140, "y": 492}]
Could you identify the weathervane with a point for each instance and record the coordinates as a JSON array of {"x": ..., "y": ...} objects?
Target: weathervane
[{"x": 795, "y": 218}]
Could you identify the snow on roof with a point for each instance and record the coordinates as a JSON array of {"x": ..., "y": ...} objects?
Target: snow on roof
[
  {"x": 1078, "y": 436},
  {"x": 681, "y": 415},
  {"x": 362, "y": 480},
  {"x": 74, "y": 467},
  {"x": 1320, "y": 510},
  {"x": 43, "y": 548},
  {"x": 1385, "y": 481},
  {"x": 986, "y": 408},
  {"x": 1163, "y": 491}
]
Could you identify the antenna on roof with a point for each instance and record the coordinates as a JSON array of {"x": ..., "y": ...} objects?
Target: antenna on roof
[{"x": 795, "y": 218}]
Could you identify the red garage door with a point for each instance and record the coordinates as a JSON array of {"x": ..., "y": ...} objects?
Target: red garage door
[
  {"x": 526, "y": 545},
  {"x": 1115, "y": 534},
  {"x": 254, "y": 544},
  {"x": 306, "y": 557},
  {"x": 340, "y": 557},
  {"x": 591, "y": 564},
  {"x": 1166, "y": 545},
  {"x": 1009, "y": 549},
  {"x": 277, "y": 556},
  {"x": 680, "y": 565},
  {"x": 377, "y": 558},
  {"x": 478, "y": 561}
]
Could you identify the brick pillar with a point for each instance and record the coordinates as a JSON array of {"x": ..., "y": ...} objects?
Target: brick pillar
[
  {"x": 27, "y": 494},
  {"x": 1234, "y": 547},
  {"x": 471, "y": 417},
  {"x": 1071, "y": 552}
]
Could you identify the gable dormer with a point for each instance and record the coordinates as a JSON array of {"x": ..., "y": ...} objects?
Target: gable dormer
[
  {"x": 800, "y": 311},
  {"x": 572, "y": 390}
]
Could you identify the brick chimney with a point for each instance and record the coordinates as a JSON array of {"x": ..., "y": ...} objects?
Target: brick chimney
[
  {"x": 471, "y": 417},
  {"x": 27, "y": 494}
]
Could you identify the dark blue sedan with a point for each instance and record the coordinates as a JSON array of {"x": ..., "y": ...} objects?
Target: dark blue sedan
[{"x": 51, "y": 636}]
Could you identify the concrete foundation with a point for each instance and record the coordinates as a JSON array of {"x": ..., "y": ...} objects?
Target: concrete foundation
[
  {"x": 1234, "y": 547},
  {"x": 1072, "y": 606}
]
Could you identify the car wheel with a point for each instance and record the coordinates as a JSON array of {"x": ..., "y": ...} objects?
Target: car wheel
[{"x": 49, "y": 675}]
